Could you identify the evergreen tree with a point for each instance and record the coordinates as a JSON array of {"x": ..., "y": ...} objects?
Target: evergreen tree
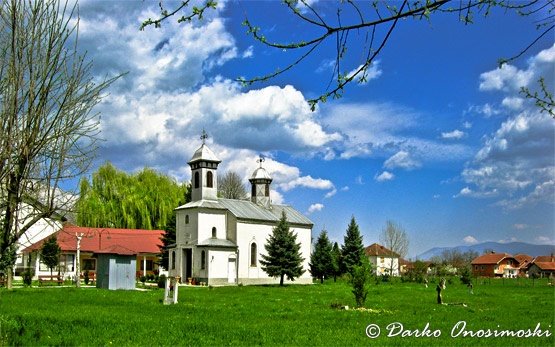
[
  {"x": 284, "y": 253},
  {"x": 352, "y": 252},
  {"x": 50, "y": 252},
  {"x": 336, "y": 261},
  {"x": 321, "y": 260}
]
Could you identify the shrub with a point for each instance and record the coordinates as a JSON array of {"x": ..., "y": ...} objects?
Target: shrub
[
  {"x": 360, "y": 276},
  {"x": 86, "y": 277},
  {"x": 142, "y": 279},
  {"x": 28, "y": 277},
  {"x": 162, "y": 281}
]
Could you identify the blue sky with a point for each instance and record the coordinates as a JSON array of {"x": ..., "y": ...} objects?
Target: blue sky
[{"x": 438, "y": 140}]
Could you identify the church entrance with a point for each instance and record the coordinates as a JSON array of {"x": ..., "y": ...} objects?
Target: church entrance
[
  {"x": 187, "y": 265},
  {"x": 231, "y": 270}
]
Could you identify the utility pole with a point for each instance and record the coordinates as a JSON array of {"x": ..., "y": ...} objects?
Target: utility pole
[{"x": 78, "y": 260}]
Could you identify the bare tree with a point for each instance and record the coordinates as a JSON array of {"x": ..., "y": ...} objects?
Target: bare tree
[
  {"x": 230, "y": 186},
  {"x": 48, "y": 134},
  {"x": 358, "y": 29},
  {"x": 395, "y": 238}
]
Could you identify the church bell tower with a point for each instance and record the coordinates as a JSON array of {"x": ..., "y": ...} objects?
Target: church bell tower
[
  {"x": 260, "y": 186},
  {"x": 204, "y": 178}
]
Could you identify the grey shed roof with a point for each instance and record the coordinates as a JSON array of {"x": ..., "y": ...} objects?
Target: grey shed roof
[
  {"x": 247, "y": 210},
  {"x": 213, "y": 242}
]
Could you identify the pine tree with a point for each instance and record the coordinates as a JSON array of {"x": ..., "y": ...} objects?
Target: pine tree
[
  {"x": 50, "y": 253},
  {"x": 321, "y": 260},
  {"x": 167, "y": 239},
  {"x": 336, "y": 261},
  {"x": 352, "y": 251},
  {"x": 284, "y": 253}
]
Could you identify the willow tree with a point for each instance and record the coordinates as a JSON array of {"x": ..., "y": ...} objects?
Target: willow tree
[
  {"x": 48, "y": 134},
  {"x": 114, "y": 198}
]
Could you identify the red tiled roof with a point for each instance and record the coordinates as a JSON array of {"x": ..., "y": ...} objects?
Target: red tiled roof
[
  {"x": 547, "y": 265},
  {"x": 376, "y": 249},
  {"x": 544, "y": 259},
  {"x": 523, "y": 258},
  {"x": 101, "y": 240},
  {"x": 491, "y": 258}
]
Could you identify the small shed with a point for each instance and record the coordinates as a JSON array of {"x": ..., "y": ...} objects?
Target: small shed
[{"x": 116, "y": 267}]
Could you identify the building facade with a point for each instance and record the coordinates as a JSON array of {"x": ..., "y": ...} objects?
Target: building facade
[{"x": 221, "y": 241}]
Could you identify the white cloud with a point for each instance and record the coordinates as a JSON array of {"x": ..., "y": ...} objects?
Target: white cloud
[
  {"x": 384, "y": 176},
  {"x": 470, "y": 240},
  {"x": 520, "y": 226},
  {"x": 545, "y": 240},
  {"x": 516, "y": 161},
  {"x": 455, "y": 134},
  {"x": 513, "y": 103},
  {"x": 331, "y": 193},
  {"x": 366, "y": 75},
  {"x": 403, "y": 160},
  {"x": 467, "y": 192},
  {"x": 467, "y": 125},
  {"x": 487, "y": 110},
  {"x": 315, "y": 207},
  {"x": 307, "y": 182}
]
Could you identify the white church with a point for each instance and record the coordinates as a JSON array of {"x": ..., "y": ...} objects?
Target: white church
[{"x": 220, "y": 241}]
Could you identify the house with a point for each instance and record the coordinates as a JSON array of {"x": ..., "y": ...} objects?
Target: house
[
  {"x": 405, "y": 266},
  {"x": 495, "y": 265},
  {"x": 221, "y": 241},
  {"x": 541, "y": 266},
  {"x": 383, "y": 260},
  {"x": 523, "y": 263},
  {"x": 144, "y": 245}
]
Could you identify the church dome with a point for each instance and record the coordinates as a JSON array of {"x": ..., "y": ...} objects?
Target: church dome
[
  {"x": 204, "y": 154},
  {"x": 260, "y": 174}
]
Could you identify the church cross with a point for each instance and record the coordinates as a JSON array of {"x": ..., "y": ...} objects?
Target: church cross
[
  {"x": 204, "y": 136},
  {"x": 260, "y": 160}
]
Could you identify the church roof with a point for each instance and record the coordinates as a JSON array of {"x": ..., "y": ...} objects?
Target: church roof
[
  {"x": 205, "y": 154},
  {"x": 213, "y": 242},
  {"x": 260, "y": 173},
  {"x": 247, "y": 210}
]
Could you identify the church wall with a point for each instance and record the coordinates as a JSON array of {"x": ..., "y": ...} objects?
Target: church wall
[
  {"x": 247, "y": 233},
  {"x": 186, "y": 233},
  {"x": 208, "y": 220}
]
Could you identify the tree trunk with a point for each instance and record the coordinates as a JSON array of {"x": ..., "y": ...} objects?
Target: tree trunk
[
  {"x": 281, "y": 280},
  {"x": 9, "y": 279},
  {"x": 322, "y": 280}
]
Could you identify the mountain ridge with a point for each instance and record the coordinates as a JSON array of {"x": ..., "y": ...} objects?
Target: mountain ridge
[{"x": 498, "y": 247}]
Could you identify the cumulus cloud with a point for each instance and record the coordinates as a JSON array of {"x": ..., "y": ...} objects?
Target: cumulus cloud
[
  {"x": 403, "y": 160},
  {"x": 455, "y": 134},
  {"x": 467, "y": 192},
  {"x": 314, "y": 208},
  {"x": 470, "y": 240},
  {"x": 384, "y": 176},
  {"x": 516, "y": 161}
]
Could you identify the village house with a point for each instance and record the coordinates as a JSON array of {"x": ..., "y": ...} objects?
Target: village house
[
  {"x": 495, "y": 265},
  {"x": 541, "y": 266},
  {"x": 142, "y": 244},
  {"x": 221, "y": 241},
  {"x": 384, "y": 261}
]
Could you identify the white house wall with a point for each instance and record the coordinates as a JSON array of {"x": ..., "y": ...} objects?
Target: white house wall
[{"x": 385, "y": 267}]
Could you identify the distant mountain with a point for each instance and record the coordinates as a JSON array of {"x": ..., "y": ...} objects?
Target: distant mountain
[{"x": 511, "y": 248}]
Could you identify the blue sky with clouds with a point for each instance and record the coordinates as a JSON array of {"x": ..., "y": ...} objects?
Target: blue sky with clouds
[{"x": 438, "y": 139}]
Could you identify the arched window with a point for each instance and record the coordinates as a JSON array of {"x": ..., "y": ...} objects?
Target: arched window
[
  {"x": 203, "y": 260},
  {"x": 213, "y": 232},
  {"x": 209, "y": 182},
  {"x": 253, "y": 254},
  {"x": 186, "y": 219},
  {"x": 197, "y": 180},
  {"x": 173, "y": 260}
]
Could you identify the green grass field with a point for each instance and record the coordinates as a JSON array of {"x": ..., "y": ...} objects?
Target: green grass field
[{"x": 270, "y": 315}]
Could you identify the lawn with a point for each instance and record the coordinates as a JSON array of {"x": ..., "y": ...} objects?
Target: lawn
[{"x": 271, "y": 315}]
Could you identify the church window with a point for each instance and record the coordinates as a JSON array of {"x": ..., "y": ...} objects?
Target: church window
[
  {"x": 173, "y": 260},
  {"x": 253, "y": 254},
  {"x": 187, "y": 219},
  {"x": 197, "y": 180},
  {"x": 267, "y": 189},
  {"x": 203, "y": 260},
  {"x": 209, "y": 180},
  {"x": 213, "y": 232}
]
